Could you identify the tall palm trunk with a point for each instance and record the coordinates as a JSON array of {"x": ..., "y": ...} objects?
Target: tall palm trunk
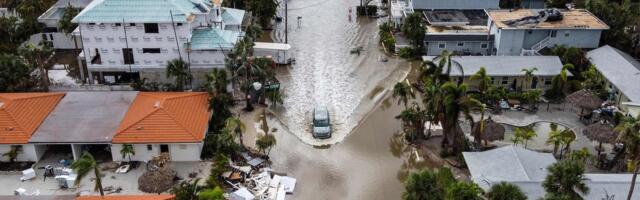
[
  {"x": 633, "y": 180},
  {"x": 96, "y": 171}
]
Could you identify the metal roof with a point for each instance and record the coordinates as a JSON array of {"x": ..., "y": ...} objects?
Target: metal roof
[
  {"x": 272, "y": 46},
  {"x": 506, "y": 65},
  {"x": 600, "y": 185},
  {"x": 213, "y": 39},
  {"x": 455, "y": 4},
  {"x": 85, "y": 117},
  {"x": 459, "y": 37},
  {"x": 619, "y": 68},
  {"x": 507, "y": 164},
  {"x": 141, "y": 11},
  {"x": 232, "y": 16}
]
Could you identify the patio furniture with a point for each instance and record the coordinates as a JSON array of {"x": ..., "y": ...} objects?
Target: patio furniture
[{"x": 28, "y": 174}]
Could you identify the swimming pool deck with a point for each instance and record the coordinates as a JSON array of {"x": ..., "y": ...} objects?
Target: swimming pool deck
[{"x": 557, "y": 113}]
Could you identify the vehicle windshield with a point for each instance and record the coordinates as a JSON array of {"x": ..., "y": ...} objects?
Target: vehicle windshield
[{"x": 320, "y": 122}]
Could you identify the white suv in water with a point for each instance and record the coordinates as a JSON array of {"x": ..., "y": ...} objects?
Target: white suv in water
[{"x": 321, "y": 123}]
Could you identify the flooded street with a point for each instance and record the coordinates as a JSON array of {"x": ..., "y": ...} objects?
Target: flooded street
[
  {"x": 369, "y": 164},
  {"x": 322, "y": 34},
  {"x": 362, "y": 159}
]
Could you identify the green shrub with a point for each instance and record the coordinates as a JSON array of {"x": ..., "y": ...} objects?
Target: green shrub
[{"x": 406, "y": 53}]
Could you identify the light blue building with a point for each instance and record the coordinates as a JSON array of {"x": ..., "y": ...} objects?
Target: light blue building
[
  {"x": 455, "y": 4},
  {"x": 526, "y": 32}
]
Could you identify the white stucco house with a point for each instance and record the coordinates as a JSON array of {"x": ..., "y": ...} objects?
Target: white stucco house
[
  {"x": 52, "y": 33},
  {"x": 173, "y": 123},
  {"x": 126, "y": 40},
  {"x": 622, "y": 74}
]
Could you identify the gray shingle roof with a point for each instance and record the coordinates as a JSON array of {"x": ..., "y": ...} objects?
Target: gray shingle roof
[
  {"x": 85, "y": 117},
  {"x": 506, "y": 65},
  {"x": 619, "y": 68}
]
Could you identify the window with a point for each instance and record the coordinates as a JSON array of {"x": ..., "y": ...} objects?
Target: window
[
  {"x": 51, "y": 37},
  {"x": 127, "y": 55},
  {"x": 118, "y": 24},
  {"x": 132, "y": 24},
  {"x": 566, "y": 34},
  {"x": 92, "y": 24},
  {"x": 484, "y": 45},
  {"x": 530, "y": 32},
  {"x": 442, "y": 45},
  {"x": 151, "y": 28},
  {"x": 461, "y": 44},
  {"x": 493, "y": 80},
  {"x": 149, "y": 147},
  {"x": 553, "y": 33},
  {"x": 179, "y": 24},
  {"x": 505, "y": 80},
  {"x": 547, "y": 81}
]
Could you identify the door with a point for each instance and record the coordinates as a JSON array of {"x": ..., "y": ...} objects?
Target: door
[
  {"x": 534, "y": 83},
  {"x": 164, "y": 148}
]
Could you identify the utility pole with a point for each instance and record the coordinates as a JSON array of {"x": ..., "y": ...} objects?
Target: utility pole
[{"x": 286, "y": 22}]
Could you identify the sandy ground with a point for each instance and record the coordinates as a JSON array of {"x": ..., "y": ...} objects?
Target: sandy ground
[{"x": 128, "y": 182}]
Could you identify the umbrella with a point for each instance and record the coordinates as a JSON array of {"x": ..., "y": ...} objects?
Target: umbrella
[
  {"x": 584, "y": 99},
  {"x": 492, "y": 131},
  {"x": 601, "y": 132},
  {"x": 157, "y": 181}
]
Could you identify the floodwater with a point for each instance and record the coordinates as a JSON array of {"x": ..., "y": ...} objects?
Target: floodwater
[
  {"x": 371, "y": 163},
  {"x": 322, "y": 34}
]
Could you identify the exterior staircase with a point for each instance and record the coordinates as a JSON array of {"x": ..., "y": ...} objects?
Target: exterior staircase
[{"x": 535, "y": 49}]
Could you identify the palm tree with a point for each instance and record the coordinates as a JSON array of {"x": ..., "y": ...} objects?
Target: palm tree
[
  {"x": 478, "y": 134},
  {"x": 235, "y": 124},
  {"x": 403, "y": 92},
  {"x": 179, "y": 69},
  {"x": 463, "y": 191},
  {"x": 525, "y": 134},
  {"x": 484, "y": 81},
  {"x": 265, "y": 143},
  {"x": 528, "y": 76},
  {"x": 432, "y": 99},
  {"x": 567, "y": 138},
  {"x": 505, "y": 191},
  {"x": 414, "y": 29},
  {"x": 217, "y": 81},
  {"x": 555, "y": 137},
  {"x": 83, "y": 166},
  {"x": 13, "y": 153},
  {"x": 127, "y": 149},
  {"x": 428, "y": 184},
  {"x": 560, "y": 81},
  {"x": 565, "y": 180},
  {"x": 629, "y": 134},
  {"x": 413, "y": 120},
  {"x": 38, "y": 57},
  {"x": 456, "y": 102},
  {"x": 212, "y": 194}
]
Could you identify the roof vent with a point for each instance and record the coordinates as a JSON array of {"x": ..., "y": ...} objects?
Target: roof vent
[
  {"x": 139, "y": 128},
  {"x": 10, "y": 128},
  {"x": 157, "y": 104},
  {"x": 1, "y": 105}
]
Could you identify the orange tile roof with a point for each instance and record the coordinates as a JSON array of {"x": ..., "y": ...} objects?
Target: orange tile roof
[
  {"x": 165, "y": 117},
  {"x": 22, "y": 113},
  {"x": 129, "y": 197}
]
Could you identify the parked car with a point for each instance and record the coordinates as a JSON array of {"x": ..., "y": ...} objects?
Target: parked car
[{"x": 321, "y": 123}]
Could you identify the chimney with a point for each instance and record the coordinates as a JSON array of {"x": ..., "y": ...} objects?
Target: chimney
[{"x": 157, "y": 104}]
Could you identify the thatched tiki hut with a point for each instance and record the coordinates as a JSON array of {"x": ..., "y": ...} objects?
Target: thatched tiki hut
[
  {"x": 584, "y": 99},
  {"x": 491, "y": 131},
  {"x": 601, "y": 132}
]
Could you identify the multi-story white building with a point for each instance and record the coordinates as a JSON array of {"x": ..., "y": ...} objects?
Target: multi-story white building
[{"x": 125, "y": 40}]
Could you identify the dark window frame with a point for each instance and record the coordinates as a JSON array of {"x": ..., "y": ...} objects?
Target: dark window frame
[
  {"x": 128, "y": 60},
  {"x": 151, "y": 28},
  {"x": 151, "y": 50}
]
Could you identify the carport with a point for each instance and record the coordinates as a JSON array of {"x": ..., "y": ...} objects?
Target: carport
[{"x": 84, "y": 121}]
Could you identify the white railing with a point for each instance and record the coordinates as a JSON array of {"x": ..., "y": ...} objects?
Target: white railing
[{"x": 541, "y": 45}]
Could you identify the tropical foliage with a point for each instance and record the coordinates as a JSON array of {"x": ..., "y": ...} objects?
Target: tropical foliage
[
  {"x": 386, "y": 37},
  {"x": 127, "y": 150},
  {"x": 414, "y": 30},
  {"x": 14, "y": 74},
  {"x": 13, "y": 153},
  {"x": 38, "y": 57},
  {"x": 265, "y": 143},
  {"x": 65, "y": 25},
  {"x": 505, "y": 191},
  {"x": 178, "y": 69},
  {"x": 439, "y": 185},
  {"x": 83, "y": 166},
  {"x": 565, "y": 181},
  {"x": 263, "y": 10},
  {"x": 629, "y": 134}
]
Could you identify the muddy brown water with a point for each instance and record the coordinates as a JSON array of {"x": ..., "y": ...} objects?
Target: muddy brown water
[{"x": 368, "y": 164}]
